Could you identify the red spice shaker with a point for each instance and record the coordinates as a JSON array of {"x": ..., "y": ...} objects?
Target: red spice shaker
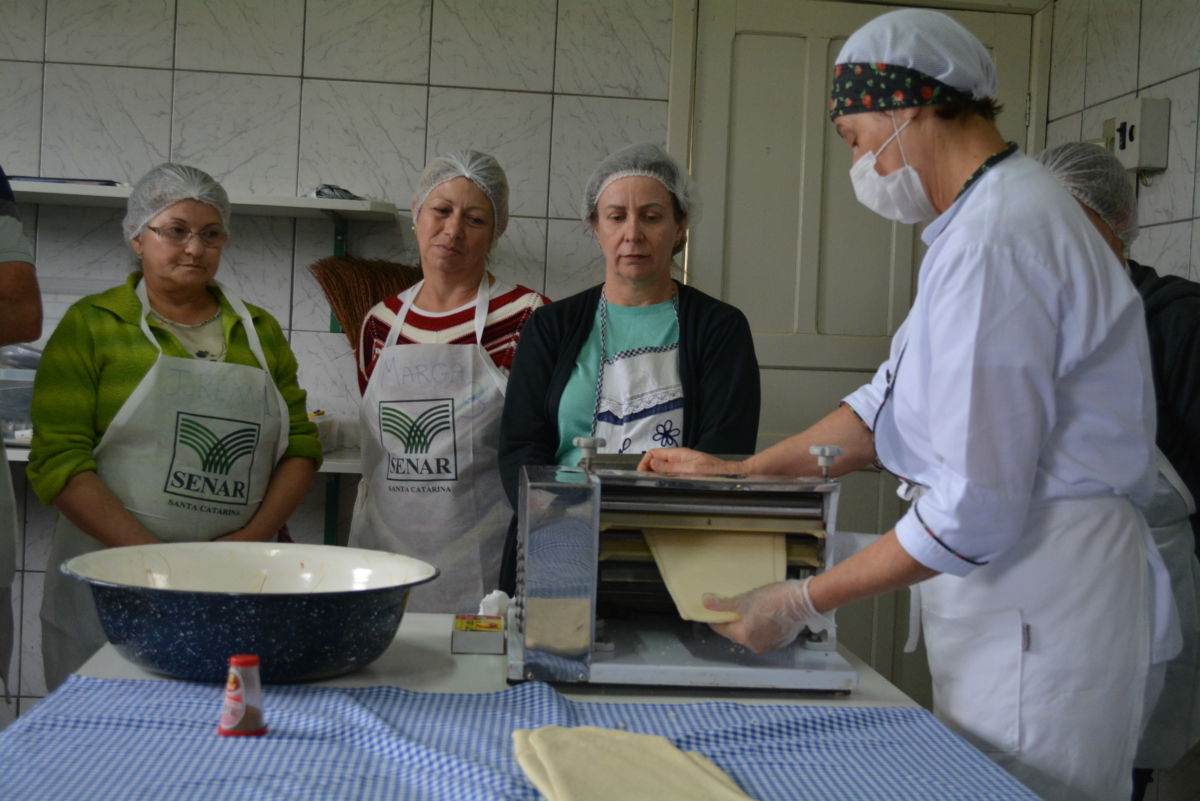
[{"x": 242, "y": 714}]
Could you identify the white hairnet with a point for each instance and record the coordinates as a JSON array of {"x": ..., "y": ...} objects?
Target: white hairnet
[
  {"x": 645, "y": 160},
  {"x": 930, "y": 43},
  {"x": 478, "y": 168},
  {"x": 166, "y": 185},
  {"x": 1098, "y": 180}
]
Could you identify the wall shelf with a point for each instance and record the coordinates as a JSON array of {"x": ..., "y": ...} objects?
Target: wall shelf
[{"x": 116, "y": 196}]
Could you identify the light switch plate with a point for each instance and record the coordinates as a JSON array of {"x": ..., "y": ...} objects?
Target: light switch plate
[{"x": 1142, "y": 128}]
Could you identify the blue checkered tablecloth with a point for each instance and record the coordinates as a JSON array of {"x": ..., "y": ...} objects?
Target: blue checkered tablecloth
[{"x": 129, "y": 739}]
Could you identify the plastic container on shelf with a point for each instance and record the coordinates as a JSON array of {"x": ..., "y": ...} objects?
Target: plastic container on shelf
[{"x": 16, "y": 393}]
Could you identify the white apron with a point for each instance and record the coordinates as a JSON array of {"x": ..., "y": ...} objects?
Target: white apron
[
  {"x": 639, "y": 395},
  {"x": 1174, "y": 723},
  {"x": 430, "y": 421},
  {"x": 1034, "y": 655},
  {"x": 189, "y": 454}
]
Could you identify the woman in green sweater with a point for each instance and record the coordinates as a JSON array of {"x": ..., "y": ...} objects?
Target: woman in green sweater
[{"x": 164, "y": 410}]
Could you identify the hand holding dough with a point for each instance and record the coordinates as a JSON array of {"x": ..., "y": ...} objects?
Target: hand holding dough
[{"x": 699, "y": 563}]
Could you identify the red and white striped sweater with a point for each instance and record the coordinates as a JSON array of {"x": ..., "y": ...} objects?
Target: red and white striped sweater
[{"x": 508, "y": 311}]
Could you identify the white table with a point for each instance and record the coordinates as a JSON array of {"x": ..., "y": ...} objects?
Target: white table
[{"x": 420, "y": 659}]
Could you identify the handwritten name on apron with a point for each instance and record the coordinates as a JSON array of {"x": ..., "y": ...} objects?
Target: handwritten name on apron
[{"x": 421, "y": 374}]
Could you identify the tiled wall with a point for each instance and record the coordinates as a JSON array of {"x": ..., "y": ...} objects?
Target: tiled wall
[
  {"x": 276, "y": 96},
  {"x": 1105, "y": 51}
]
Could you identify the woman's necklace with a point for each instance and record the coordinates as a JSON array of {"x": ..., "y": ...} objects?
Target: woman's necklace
[
  {"x": 194, "y": 338},
  {"x": 178, "y": 324}
]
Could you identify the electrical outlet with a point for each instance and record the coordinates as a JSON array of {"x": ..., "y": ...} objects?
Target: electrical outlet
[{"x": 1140, "y": 133}]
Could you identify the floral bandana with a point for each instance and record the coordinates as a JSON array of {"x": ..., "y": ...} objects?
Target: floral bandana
[{"x": 859, "y": 87}]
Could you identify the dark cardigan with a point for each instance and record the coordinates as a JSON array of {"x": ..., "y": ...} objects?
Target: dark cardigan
[
  {"x": 1173, "y": 323},
  {"x": 717, "y": 367}
]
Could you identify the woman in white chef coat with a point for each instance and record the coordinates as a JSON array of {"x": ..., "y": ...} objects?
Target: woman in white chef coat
[
  {"x": 1102, "y": 185},
  {"x": 165, "y": 409},
  {"x": 433, "y": 364},
  {"x": 1017, "y": 409}
]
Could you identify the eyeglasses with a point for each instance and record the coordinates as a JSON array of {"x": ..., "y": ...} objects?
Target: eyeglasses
[{"x": 177, "y": 235}]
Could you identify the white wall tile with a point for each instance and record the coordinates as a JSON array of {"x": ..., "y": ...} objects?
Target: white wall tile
[
  {"x": 83, "y": 247},
  {"x": 22, "y": 36},
  {"x": 307, "y": 522},
  {"x": 1092, "y": 119},
  {"x": 517, "y": 133},
  {"x": 39, "y": 530},
  {"x": 257, "y": 264},
  {"x": 392, "y": 241},
  {"x": 328, "y": 373},
  {"x": 240, "y": 36},
  {"x": 21, "y": 122},
  {"x": 8, "y": 708},
  {"x": 500, "y": 44},
  {"x": 251, "y": 145},
  {"x": 366, "y": 137},
  {"x": 310, "y": 308},
  {"x": 104, "y": 122},
  {"x": 1170, "y": 194},
  {"x": 25, "y": 705},
  {"x": 28, "y": 214},
  {"x": 587, "y": 129},
  {"x": 128, "y": 33},
  {"x": 520, "y": 255},
  {"x": 1063, "y": 130},
  {"x": 1166, "y": 248},
  {"x": 1195, "y": 258},
  {"x": 16, "y": 472},
  {"x": 10, "y": 605},
  {"x": 1170, "y": 37},
  {"x": 367, "y": 40},
  {"x": 573, "y": 259},
  {"x": 617, "y": 48},
  {"x": 1068, "y": 57},
  {"x": 1112, "y": 49},
  {"x": 32, "y": 679}
]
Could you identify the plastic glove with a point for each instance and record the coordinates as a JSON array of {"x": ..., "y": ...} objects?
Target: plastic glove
[{"x": 772, "y": 615}]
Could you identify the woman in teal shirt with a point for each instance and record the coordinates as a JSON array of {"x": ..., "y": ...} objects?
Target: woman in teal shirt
[{"x": 640, "y": 360}]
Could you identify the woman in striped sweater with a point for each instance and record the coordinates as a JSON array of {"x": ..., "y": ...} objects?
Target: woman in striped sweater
[{"x": 433, "y": 365}]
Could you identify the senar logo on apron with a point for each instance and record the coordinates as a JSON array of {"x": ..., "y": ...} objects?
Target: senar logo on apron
[
  {"x": 414, "y": 428},
  {"x": 212, "y": 458}
]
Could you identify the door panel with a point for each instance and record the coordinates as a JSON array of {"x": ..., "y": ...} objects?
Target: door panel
[{"x": 780, "y": 232}]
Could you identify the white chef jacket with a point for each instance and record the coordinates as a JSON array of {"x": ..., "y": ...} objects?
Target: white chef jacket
[{"x": 1021, "y": 374}]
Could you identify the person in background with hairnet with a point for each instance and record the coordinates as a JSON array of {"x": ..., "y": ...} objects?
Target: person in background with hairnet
[
  {"x": 164, "y": 410},
  {"x": 1101, "y": 184},
  {"x": 433, "y": 363},
  {"x": 640, "y": 360},
  {"x": 20, "y": 321},
  {"x": 1016, "y": 407}
]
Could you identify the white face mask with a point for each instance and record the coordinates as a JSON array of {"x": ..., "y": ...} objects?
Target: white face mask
[{"x": 896, "y": 196}]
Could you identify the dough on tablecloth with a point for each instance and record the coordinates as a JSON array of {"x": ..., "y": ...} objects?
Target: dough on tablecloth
[
  {"x": 694, "y": 563},
  {"x": 588, "y": 763}
]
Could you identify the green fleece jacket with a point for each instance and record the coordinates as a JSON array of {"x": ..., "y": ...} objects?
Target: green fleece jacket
[{"x": 98, "y": 355}]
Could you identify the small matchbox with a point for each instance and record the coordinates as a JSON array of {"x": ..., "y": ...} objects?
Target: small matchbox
[{"x": 477, "y": 634}]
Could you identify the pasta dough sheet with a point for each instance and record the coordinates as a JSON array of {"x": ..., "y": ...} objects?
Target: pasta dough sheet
[
  {"x": 588, "y": 763},
  {"x": 559, "y": 625},
  {"x": 694, "y": 563}
]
